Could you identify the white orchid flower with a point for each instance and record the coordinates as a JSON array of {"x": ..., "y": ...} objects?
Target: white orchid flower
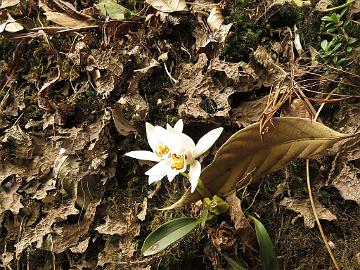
[
  {"x": 158, "y": 140},
  {"x": 183, "y": 154}
]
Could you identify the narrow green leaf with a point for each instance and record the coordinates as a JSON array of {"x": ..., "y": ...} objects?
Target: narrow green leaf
[
  {"x": 267, "y": 253},
  {"x": 167, "y": 234},
  {"x": 233, "y": 263}
]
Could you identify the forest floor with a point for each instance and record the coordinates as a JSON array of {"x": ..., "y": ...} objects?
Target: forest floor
[{"x": 79, "y": 80}]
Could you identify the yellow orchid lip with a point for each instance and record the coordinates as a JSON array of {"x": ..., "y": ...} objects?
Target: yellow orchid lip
[
  {"x": 162, "y": 150},
  {"x": 178, "y": 162}
]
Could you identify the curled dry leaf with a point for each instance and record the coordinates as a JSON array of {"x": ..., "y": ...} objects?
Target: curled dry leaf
[
  {"x": 121, "y": 123},
  {"x": 8, "y": 3},
  {"x": 65, "y": 19},
  {"x": 168, "y": 5},
  {"x": 44, "y": 227},
  {"x": 303, "y": 207},
  {"x": 69, "y": 235},
  {"x": 241, "y": 223},
  {"x": 215, "y": 19},
  {"x": 112, "y": 226},
  {"x": 248, "y": 155}
]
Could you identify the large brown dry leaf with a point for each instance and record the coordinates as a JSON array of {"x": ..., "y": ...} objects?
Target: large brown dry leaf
[
  {"x": 168, "y": 5},
  {"x": 247, "y": 155},
  {"x": 303, "y": 207}
]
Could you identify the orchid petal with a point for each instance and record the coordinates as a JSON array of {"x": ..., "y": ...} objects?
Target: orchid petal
[
  {"x": 179, "y": 126},
  {"x": 154, "y": 178},
  {"x": 155, "y": 135},
  {"x": 179, "y": 142},
  {"x": 194, "y": 174},
  {"x": 143, "y": 155},
  {"x": 162, "y": 168},
  {"x": 207, "y": 141},
  {"x": 171, "y": 174}
]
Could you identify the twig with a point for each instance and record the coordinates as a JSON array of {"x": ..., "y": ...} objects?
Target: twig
[
  {"x": 168, "y": 73},
  {"x": 325, "y": 240},
  {"x": 317, "y": 218}
]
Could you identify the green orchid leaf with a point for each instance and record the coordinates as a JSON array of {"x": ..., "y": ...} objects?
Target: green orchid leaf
[
  {"x": 267, "y": 252},
  {"x": 234, "y": 265},
  {"x": 167, "y": 234}
]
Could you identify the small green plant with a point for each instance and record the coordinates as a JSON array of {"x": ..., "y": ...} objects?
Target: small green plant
[{"x": 335, "y": 25}]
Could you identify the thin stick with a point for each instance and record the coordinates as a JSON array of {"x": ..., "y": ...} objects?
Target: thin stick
[{"x": 317, "y": 218}]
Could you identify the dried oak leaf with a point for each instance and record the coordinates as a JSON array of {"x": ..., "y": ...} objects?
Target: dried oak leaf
[
  {"x": 112, "y": 226},
  {"x": 121, "y": 248},
  {"x": 9, "y": 198},
  {"x": 81, "y": 246},
  {"x": 68, "y": 236},
  {"x": 241, "y": 223},
  {"x": 123, "y": 126},
  {"x": 65, "y": 19},
  {"x": 44, "y": 227},
  {"x": 303, "y": 207},
  {"x": 345, "y": 171},
  {"x": 354, "y": 8},
  {"x": 168, "y": 5},
  {"x": 216, "y": 84},
  {"x": 21, "y": 142},
  {"x": 249, "y": 112}
]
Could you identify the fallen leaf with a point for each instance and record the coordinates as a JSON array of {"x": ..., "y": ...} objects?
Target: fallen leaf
[
  {"x": 81, "y": 246},
  {"x": 354, "y": 8},
  {"x": 241, "y": 223},
  {"x": 142, "y": 213},
  {"x": 68, "y": 236},
  {"x": 11, "y": 25},
  {"x": 9, "y": 3},
  {"x": 112, "y": 226},
  {"x": 215, "y": 19},
  {"x": 44, "y": 227},
  {"x": 345, "y": 172},
  {"x": 168, "y": 5},
  {"x": 122, "y": 125},
  {"x": 111, "y": 9},
  {"x": 248, "y": 155},
  {"x": 64, "y": 19},
  {"x": 303, "y": 207},
  {"x": 220, "y": 80},
  {"x": 249, "y": 112}
]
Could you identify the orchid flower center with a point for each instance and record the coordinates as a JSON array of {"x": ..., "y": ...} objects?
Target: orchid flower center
[
  {"x": 178, "y": 162},
  {"x": 162, "y": 150}
]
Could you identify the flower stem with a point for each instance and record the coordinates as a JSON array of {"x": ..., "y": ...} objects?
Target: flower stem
[
  {"x": 200, "y": 188},
  {"x": 338, "y": 7}
]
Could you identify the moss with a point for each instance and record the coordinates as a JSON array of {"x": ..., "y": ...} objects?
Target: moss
[
  {"x": 247, "y": 32},
  {"x": 6, "y": 48}
]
